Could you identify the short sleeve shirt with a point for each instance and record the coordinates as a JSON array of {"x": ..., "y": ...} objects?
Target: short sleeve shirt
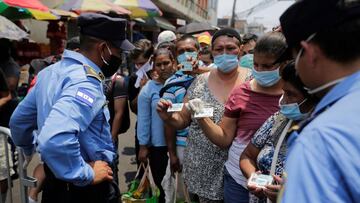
[
  {"x": 114, "y": 88},
  {"x": 251, "y": 109}
]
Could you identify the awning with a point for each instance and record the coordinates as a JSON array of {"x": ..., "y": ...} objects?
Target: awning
[{"x": 160, "y": 22}]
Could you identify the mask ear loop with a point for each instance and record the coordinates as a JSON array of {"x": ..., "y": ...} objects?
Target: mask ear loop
[
  {"x": 102, "y": 57},
  {"x": 301, "y": 103}
]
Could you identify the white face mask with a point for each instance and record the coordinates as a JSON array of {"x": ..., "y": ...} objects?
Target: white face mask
[{"x": 324, "y": 86}]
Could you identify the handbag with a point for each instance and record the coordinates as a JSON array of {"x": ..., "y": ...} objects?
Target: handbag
[{"x": 143, "y": 191}]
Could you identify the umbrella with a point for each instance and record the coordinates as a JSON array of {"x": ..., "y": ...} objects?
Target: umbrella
[
  {"x": 20, "y": 9},
  {"x": 193, "y": 28},
  {"x": 92, "y": 5},
  {"x": 11, "y": 31},
  {"x": 140, "y": 8}
]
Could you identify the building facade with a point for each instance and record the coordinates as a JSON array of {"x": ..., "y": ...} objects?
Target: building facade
[{"x": 189, "y": 10}]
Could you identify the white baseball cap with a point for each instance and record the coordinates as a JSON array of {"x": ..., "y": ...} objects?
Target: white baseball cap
[{"x": 166, "y": 36}]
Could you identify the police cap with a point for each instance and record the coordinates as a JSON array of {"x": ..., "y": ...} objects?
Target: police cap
[{"x": 105, "y": 28}]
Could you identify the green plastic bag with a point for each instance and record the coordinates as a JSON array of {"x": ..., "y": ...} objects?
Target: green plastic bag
[{"x": 143, "y": 191}]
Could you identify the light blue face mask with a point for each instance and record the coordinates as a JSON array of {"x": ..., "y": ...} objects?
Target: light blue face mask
[
  {"x": 266, "y": 78},
  {"x": 226, "y": 62},
  {"x": 247, "y": 61},
  {"x": 292, "y": 111},
  {"x": 183, "y": 58}
]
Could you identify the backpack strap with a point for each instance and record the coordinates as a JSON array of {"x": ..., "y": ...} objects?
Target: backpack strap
[{"x": 184, "y": 84}]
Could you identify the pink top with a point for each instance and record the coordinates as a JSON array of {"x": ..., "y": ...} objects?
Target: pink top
[{"x": 251, "y": 109}]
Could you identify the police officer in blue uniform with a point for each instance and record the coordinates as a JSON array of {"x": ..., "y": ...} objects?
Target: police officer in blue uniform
[{"x": 68, "y": 108}]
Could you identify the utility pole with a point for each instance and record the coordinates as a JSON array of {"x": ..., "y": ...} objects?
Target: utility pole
[{"x": 232, "y": 23}]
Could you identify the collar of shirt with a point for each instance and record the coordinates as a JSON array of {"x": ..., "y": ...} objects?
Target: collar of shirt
[
  {"x": 350, "y": 84},
  {"x": 81, "y": 59}
]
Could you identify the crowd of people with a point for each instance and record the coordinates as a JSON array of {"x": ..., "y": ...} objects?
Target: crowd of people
[{"x": 236, "y": 118}]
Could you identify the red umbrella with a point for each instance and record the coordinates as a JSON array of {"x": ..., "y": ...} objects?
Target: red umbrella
[{"x": 33, "y": 4}]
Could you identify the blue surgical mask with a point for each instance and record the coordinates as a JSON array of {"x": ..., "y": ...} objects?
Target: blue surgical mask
[
  {"x": 183, "y": 58},
  {"x": 226, "y": 62},
  {"x": 292, "y": 111},
  {"x": 247, "y": 61},
  {"x": 266, "y": 78}
]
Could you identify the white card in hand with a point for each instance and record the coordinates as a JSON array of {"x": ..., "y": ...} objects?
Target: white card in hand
[
  {"x": 260, "y": 180},
  {"x": 176, "y": 107},
  {"x": 205, "y": 112},
  {"x": 187, "y": 66}
]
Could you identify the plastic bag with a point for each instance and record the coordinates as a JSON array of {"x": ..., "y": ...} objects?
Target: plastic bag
[{"x": 143, "y": 191}]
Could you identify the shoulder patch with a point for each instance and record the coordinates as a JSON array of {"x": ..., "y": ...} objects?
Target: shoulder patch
[
  {"x": 90, "y": 72},
  {"x": 85, "y": 96}
]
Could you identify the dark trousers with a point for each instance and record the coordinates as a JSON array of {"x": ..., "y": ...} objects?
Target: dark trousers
[
  {"x": 58, "y": 191},
  {"x": 158, "y": 162}
]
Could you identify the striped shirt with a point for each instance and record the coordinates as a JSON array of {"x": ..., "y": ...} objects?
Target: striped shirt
[{"x": 176, "y": 94}]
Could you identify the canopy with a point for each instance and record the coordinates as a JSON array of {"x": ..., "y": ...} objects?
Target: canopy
[
  {"x": 140, "y": 8},
  {"x": 10, "y": 31},
  {"x": 20, "y": 9},
  {"x": 193, "y": 28},
  {"x": 92, "y": 5}
]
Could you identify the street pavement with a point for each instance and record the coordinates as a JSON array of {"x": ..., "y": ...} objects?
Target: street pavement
[{"x": 127, "y": 163}]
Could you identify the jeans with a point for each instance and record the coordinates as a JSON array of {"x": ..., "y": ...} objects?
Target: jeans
[{"x": 233, "y": 192}]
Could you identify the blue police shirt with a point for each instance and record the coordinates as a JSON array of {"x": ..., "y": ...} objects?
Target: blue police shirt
[
  {"x": 69, "y": 109},
  {"x": 322, "y": 163}
]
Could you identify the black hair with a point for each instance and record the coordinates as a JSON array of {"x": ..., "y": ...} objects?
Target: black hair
[
  {"x": 248, "y": 37},
  {"x": 88, "y": 42},
  {"x": 230, "y": 32},
  {"x": 168, "y": 45},
  {"x": 340, "y": 43},
  {"x": 142, "y": 47},
  {"x": 288, "y": 74},
  {"x": 73, "y": 43},
  {"x": 206, "y": 51},
  {"x": 186, "y": 37},
  {"x": 163, "y": 51},
  {"x": 271, "y": 43}
]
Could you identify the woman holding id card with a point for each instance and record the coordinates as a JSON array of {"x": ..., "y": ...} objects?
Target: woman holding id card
[
  {"x": 203, "y": 164},
  {"x": 259, "y": 155}
]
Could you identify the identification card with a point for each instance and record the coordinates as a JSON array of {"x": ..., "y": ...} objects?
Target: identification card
[
  {"x": 205, "y": 112},
  {"x": 260, "y": 180},
  {"x": 187, "y": 66},
  {"x": 176, "y": 107}
]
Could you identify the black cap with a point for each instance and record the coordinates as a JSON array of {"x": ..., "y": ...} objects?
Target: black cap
[
  {"x": 306, "y": 17},
  {"x": 105, "y": 28},
  {"x": 226, "y": 32}
]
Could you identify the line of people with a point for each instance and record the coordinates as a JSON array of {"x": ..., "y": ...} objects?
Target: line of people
[{"x": 289, "y": 113}]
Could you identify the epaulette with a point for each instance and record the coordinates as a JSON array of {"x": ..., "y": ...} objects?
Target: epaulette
[{"x": 90, "y": 72}]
